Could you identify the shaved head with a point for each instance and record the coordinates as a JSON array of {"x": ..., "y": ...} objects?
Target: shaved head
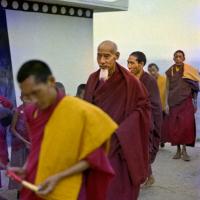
[
  {"x": 107, "y": 54},
  {"x": 110, "y": 45}
]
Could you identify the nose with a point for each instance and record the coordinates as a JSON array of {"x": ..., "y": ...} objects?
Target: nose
[{"x": 102, "y": 60}]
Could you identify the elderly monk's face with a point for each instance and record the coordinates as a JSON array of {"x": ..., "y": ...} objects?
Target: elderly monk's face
[
  {"x": 153, "y": 71},
  {"x": 106, "y": 58},
  {"x": 39, "y": 93},
  {"x": 179, "y": 58},
  {"x": 134, "y": 66}
]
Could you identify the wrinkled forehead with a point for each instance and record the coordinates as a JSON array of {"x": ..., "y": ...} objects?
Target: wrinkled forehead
[{"x": 106, "y": 48}]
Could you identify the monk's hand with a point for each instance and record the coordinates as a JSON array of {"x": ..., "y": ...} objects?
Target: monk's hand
[
  {"x": 48, "y": 185},
  {"x": 19, "y": 171}
]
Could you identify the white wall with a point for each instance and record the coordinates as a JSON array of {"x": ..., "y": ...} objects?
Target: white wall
[{"x": 64, "y": 42}]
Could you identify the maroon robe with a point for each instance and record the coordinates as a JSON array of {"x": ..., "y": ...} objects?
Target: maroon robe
[
  {"x": 152, "y": 88},
  {"x": 3, "y": 146},
  {"x": 96, "y": 179},
  {"x": 181, "y": 120},
  {"x": 125, "y": 99}
]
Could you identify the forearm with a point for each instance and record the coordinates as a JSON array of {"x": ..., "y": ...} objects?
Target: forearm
[
  {"x": 20, "y": 137},
  {"x": 75, "y": 169}
]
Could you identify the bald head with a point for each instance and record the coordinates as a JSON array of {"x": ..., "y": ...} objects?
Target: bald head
[
  {"x": 107, "y": 55},
  {"x": 109, "y": 45}
]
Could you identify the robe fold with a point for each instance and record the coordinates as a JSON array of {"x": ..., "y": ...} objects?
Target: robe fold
[
  {"x": 182, "y": 124},
  {"x": 89, "y": 136},
  {"x": 155, "y": 133},
  {"x": 125, "y": 99},
  {"x": 161, "y": 81}
]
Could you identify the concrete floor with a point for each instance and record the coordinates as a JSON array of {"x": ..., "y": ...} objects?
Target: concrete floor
[{"x": 175, "y": 179}]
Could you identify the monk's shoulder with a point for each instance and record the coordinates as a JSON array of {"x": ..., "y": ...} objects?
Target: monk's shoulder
[
  {"x": 75, "y": 104},
  {"x": 168, "y": 72},
  {"x": 94, "y": 75},
  {"x": 149, "y": 78},
  {"x": 128, "y": 76},
  {"x": 149, "y": 82}
]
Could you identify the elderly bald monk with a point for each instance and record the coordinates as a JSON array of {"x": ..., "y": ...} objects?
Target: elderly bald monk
[{"x": 125, "y": 99}]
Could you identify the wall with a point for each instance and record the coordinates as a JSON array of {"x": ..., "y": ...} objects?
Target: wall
[{"x": 64, "y": 42}]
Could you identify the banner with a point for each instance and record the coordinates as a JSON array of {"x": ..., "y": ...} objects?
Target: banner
[{"x": 6, "y": 75}]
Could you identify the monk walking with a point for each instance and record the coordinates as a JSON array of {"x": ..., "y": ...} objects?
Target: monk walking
[
  {"x": 124, "y": 98},
  {"x": 136, "y": 63},
  {"x": 182, "y": 91},
  {"x": 153, "y": 69},
  {"x": 67, "y": 157}
]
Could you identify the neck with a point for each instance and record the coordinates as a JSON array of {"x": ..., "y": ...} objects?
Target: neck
[{"x": 139, "y": 74}]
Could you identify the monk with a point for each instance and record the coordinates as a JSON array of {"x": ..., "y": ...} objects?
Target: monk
[
  {"x": 182, "y": 91},
  {"x": 5, "y": 120},
  {"x": 81, "y": 90},
  {"x": 124, "y": 98},
  {"x": 153, "y": 69},
  {"x": 20, "y": 140},
  {"x": 136, "y": 63},
  {"x": 60, "y": 87},
  {"x": 67, "y": 159}
]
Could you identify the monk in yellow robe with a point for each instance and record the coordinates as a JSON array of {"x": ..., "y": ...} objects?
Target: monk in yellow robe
[
  {"x": 67, "y": 158},
  {"x": 153, "y": 69}
]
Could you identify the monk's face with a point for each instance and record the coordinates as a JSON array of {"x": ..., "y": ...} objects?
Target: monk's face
[
  {"x": 106, "y": 58},
  {"x": 39, "y": 93},
  {"x": 153, "y": 71},
  {"x": 134, "y": 66},
  {"x": 179, "y": 58}
]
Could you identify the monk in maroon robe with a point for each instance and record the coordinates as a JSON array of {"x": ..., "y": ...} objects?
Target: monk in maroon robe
[
  {"x": 136, "y": 63},
  {"x": 182, "y": 104},
  {"x": 5, "y": 120},
  {"x": 124, "y": 98},
  {"x": 38, "y": 86}
]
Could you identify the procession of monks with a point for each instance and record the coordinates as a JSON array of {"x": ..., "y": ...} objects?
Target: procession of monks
[{"x": 101, "y": 145}]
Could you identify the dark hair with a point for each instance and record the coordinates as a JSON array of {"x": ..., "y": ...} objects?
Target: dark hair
[
  {"x": 60, "y": 86},
  {"x": 39, "y": 69},
  {"x": 140, "y": 56},
  {"x": 153, "y": 64},
  {"x": 80, "y": 88},
  {"x": 179, "y": 51}
]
